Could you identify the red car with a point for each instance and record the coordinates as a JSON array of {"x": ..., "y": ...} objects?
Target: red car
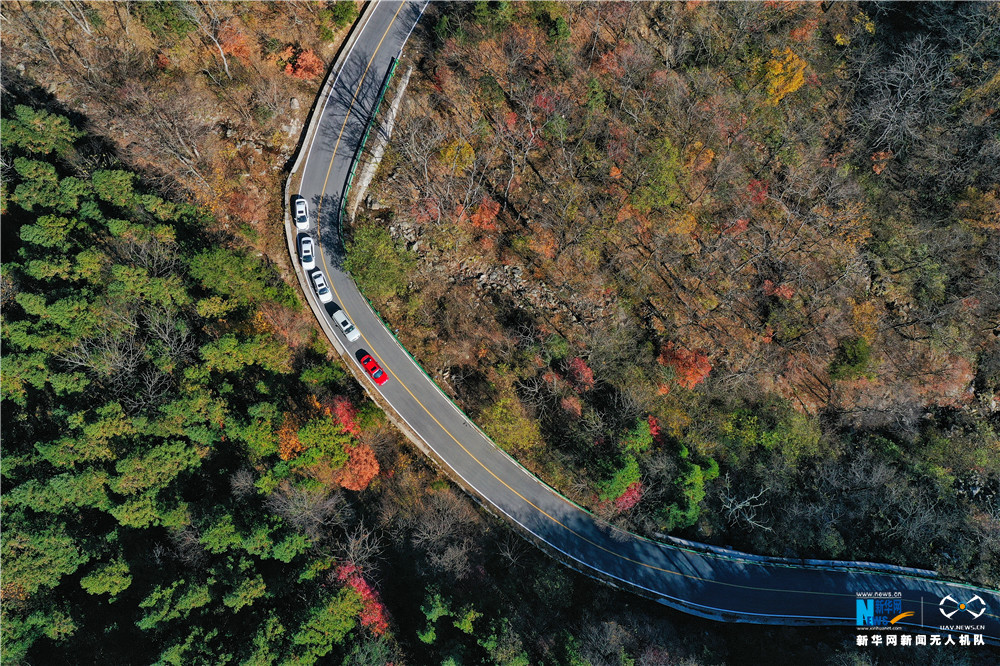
[{"x": 373, "y": 369}]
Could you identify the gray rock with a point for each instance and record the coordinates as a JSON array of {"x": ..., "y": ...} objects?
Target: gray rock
[{"x": 294, "y": 104}]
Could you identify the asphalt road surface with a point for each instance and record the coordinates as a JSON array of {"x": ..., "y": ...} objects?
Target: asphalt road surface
[{"x": 721, "y": 586}]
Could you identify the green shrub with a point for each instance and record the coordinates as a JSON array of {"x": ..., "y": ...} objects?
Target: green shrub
[{"x": 852, "y": 360}]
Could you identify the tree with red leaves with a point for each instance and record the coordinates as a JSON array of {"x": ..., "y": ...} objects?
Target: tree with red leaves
[
  {"x": 580, "y": 374},
  {"x": 571, "y": 404},
  {"x": 342, "y": 409},
  {"x": 691, "y": 367},
  {"x": 630, "y": 497},
  {"x": 785, "y": 291},
  {"x": 758, "y": 191},
  {"x": 545, "y": 102},
  {"x": 654, "y": 429},
  {"x": 373, "y": 614}
]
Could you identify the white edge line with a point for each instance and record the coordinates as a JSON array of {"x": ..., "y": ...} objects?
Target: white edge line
[
  {"x": 319, "y": 121},
  {"x": 846, "y": 567},
  {"x": 587, "y": 565},
  {"x": 491, "y": 443},
  {"x": 407, "y": 38}
]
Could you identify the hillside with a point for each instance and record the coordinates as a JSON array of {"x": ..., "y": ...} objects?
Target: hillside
[{"x": 727, "y": 271}]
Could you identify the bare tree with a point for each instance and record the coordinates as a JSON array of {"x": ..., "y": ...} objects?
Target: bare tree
[
  {"x": 209, "y": 23},
  {"x": 742, "y": 510},
  {"x": 173, "y": 332},
  {"x": 907, "y": 94},
  {"x": 314, "y": 511},
  {"x": 187, "y": 546},
  {"x": 511, "y": 548},
  {"x": 145, "y": 389},
  {"x": 242, "y": 482},
  {"x": 361, "y": 546},
  {"x": 78, "y": 14},
  {"x": 145, "y": 250},
  {"x": 110, "y": 354}
]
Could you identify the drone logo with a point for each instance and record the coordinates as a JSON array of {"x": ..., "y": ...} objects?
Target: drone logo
[{"x": 975, "y": 602}]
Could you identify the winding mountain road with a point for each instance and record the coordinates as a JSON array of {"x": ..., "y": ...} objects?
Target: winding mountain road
[{"x": 713, "y": 583}]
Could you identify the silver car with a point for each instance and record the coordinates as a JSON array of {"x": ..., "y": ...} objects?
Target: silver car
[
  {"x": 345, "y": 324},
  {"x": 322, "y": 289}
]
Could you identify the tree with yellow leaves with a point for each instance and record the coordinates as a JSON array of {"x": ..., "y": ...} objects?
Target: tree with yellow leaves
[{"x": 785, "y": 73}]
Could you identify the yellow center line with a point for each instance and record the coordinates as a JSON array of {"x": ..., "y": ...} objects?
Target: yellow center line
[
  {"x": 319, "y": 206},
  {"x": 454, "y": 439}
]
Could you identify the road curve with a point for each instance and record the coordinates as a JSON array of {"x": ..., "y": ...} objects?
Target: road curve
[{"x": 722, "y": 585}]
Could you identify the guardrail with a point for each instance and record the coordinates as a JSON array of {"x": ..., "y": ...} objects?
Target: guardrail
[
  {"x": 673, "y": 542},
  {"x": 312, "y": 124},
  {"x": 356, "y": 159}
]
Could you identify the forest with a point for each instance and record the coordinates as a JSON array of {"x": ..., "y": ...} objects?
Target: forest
[
  {"x": 727, "y": 271},
  {"x": 724, "y": 270}
]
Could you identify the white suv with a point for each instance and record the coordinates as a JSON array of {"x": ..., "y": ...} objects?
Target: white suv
[
  {"x": 322, "y": 290},
  {"x": 345, "y": 324}
]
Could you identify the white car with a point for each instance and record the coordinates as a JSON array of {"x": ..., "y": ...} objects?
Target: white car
[
  {"x": 306, "y": 255},
  {"x": 322, "y": 290},
  {"x": 301, "y": 213},
  {"x": 345, "y": 324}
]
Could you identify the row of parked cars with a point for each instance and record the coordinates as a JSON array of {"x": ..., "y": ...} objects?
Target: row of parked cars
[{"x": 307, "y": 257}]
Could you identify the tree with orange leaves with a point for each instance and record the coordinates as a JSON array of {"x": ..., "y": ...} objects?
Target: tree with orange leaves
[
  {"x": 691, "y": 367},
  {"x": 361, "y": 467},
  {"x": 485, "y": 215},
  {"x": 233, "y": 41},
  {"x": 305, "y": 65},
  {"x": 289, "y": 445}
]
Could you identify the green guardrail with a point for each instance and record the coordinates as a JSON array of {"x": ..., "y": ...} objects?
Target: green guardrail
[
  {"x": 340, "y": 231},
  {"x": 741, "y": 557},
  {"x": 361, "y": 146}
]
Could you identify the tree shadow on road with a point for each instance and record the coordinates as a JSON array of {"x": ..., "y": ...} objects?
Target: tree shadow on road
[
  {"x": 328, "y": 228},
  {"x": 347, "y": 94}
]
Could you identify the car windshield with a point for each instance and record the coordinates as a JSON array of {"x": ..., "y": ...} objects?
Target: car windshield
[{"x": 378, "y": 373}]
